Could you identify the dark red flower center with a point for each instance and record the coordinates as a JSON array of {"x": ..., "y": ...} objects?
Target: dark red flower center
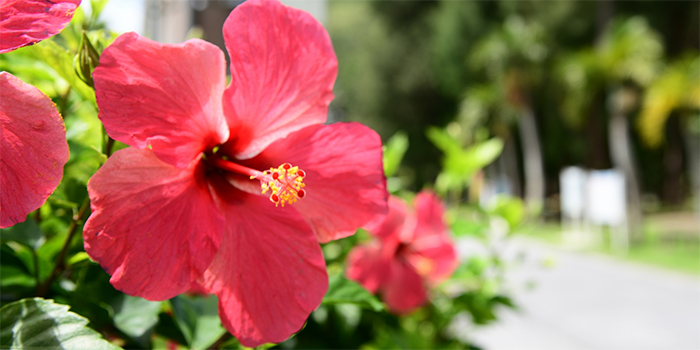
[{"x": 285, "y": 182}]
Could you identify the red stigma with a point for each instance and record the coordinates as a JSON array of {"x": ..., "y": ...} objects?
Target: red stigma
[{"x": 285, "y": 182}]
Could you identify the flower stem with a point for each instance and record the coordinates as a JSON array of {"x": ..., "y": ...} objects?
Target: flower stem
[
  {"x": 107, "y": 143},
  {"x": 36, "y": 266},
  {"x": 223, "y": 338},
  {"x": 60, "y": 264},
  {"x": 109, "y": 146}
]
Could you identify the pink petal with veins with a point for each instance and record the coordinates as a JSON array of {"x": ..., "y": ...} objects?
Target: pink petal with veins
[
  {"x": 154, "y": 227},
  {"x": 32, "y": 146},
  {"x": 269, "y": 273},
  {"x": 25, "y": 22},
  {"x": 166, "y": 97},
  {"x": 283, "y": 68}
]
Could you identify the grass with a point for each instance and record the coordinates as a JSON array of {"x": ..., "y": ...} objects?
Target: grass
[
  {"x": 681, "y": 257},
  {"x": 661, "y": 247}
]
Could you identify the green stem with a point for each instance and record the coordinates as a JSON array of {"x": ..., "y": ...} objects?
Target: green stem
[
  {"x": 107, "y": 143},
  {"x": 63, "y": 103},
  {"x": 36, "y": 266},
  {"x": 60, "y": 264},
  {"x": 217, "y": 344},
  {"x": 109, "y": 146}
]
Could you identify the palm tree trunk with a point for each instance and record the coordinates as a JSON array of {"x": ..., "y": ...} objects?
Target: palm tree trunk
[
  {"x": 692, "y": 146},
  {"x": 622, "y": 158},
  {"x": 673, "y": 186},
  {"x": 508, "y": 162},
  {"x": 532, "y": 161}
]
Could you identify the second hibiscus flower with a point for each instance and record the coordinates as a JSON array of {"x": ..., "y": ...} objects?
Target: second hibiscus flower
[
  {"x": 412, "y": 252},
  {"x": 185, "y": 203}
]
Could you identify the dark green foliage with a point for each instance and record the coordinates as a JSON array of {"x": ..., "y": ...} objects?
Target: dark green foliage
[{"x": 40, "y": 323}]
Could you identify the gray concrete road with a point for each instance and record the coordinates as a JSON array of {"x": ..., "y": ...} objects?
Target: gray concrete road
[{"x": 589, "y": 301}]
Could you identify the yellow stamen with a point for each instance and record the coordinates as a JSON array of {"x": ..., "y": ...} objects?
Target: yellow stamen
[{"x": 285, "y": 183}]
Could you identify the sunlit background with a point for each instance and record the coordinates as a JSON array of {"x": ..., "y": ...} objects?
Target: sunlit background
[{"x": 596, "y": 104}]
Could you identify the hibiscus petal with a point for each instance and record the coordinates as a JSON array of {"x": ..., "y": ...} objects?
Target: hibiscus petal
[
  {"x": 25, "y": 22},
  {"x": 404, "y": 290},
  {"x": 430, "y": 212},
  {"x": 282, "y": 72},
  {"x": 154, "y": 227},
  {"x": 33, "y": 147},
  {"x": 398, "y": 224},
  {"x": 435, "y": 257},
  {"x": 269, "y": 273},
  {"x": 367, "y": 267},
  {"x": 345, "y": 183},
  {"x": 435, "y": 262},
  {"x": 164, "y": 96}
]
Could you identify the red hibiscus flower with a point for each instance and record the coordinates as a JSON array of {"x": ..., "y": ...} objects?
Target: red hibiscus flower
[
  {"x": 33, "y": 147},
  {"x": 33, "y": 138},
  {"x": 185, "y": 203},
  {"x": 25, "y": 22},
  {"x": 413, "y": 250}
]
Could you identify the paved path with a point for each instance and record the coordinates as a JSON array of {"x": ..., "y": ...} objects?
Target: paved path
[{"x": 588, "y": 301}]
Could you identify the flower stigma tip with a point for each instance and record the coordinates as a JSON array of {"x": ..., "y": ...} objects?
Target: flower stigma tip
[{"x": 285, "y": 182}]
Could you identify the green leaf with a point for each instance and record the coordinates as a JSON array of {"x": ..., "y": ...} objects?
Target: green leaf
[
  {"x": 136, "y": 317},
  {"x": 465, "y": 163},
  {"x": 92, "y": 294},
  {"x": 198, "y": 319},
  {"x": 462, "y": 227},
  {"x": 61, "y": 60},
  {"x": 15, "y": 276},
  {"x": 509, "y": 208},
  {"x": 343, "y": 291},
  {"x": 484, "y": 153},
  {"x": 16, "y": 280},
  {"x": 442, "y": 140},
  {"x": 97, "y": 7},
  {"x": 40, "y": 323},
  {"x": 26, "y": 233},
  {"x": 394, "y": 151},
  {"x": 460, "y": 164},
  {"x": 78, "y": 257},
  {"x": 29, "y": 257}
]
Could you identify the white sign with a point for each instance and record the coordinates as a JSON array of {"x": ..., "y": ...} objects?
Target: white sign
[
  {"x": 572, "y": 182},
  {"x": 605, "y": 197}
]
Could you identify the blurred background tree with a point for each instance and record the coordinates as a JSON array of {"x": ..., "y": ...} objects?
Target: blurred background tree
[{"x": 559, "y": 82}]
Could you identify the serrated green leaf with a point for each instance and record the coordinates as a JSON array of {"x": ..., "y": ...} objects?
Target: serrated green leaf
[
  {"x": 343, "y": 291},
  {"x": 39, "y": 323},
  {"x": 198, "y": 319}
]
